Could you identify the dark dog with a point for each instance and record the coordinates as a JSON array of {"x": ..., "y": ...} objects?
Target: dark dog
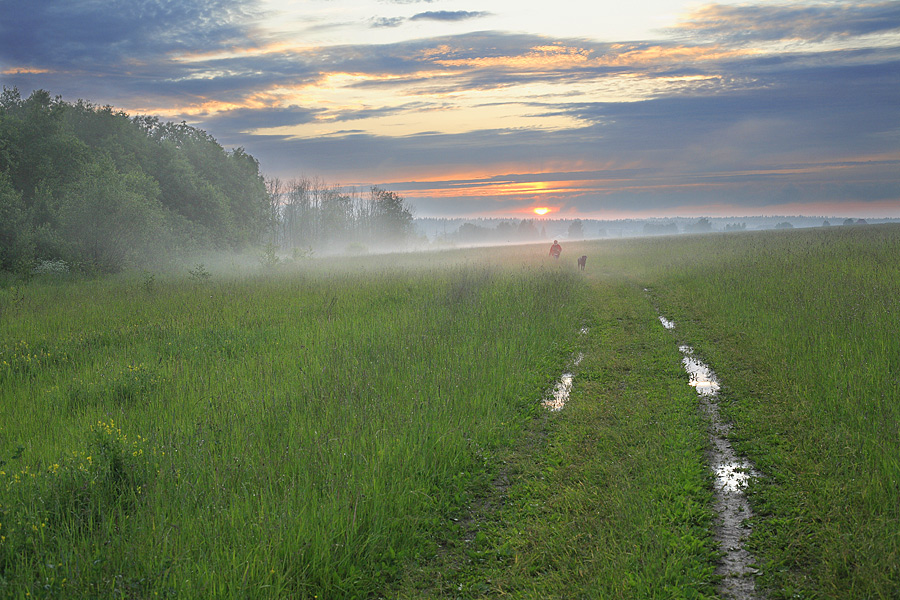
[{"x": 582, "y": 261}]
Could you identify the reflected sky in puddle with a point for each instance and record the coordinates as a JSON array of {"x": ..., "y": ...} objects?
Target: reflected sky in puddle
[
  {"x": 701, "y": 376},
  {"x": 560, "y": 395},
  {"x": 732, "y": 476}
]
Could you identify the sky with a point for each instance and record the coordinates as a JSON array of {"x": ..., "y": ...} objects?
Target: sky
[{"x": 588, "y": 108}]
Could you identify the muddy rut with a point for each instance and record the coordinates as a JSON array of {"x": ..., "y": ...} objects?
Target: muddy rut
[
  {"x": 731, "y": 476},
  {"x": 732, "y": 473}
]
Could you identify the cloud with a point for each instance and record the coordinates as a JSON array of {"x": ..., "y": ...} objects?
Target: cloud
[
  {"x": 387, "y": 22},
  {"x": 809, "y": 22},
  {"x": 440, "y": 15},
  {"x": 243, "y": 120},
  {"x": 804, "y": 134},
  {"x": 448, "y": 15},
  {"x": 82, "y": 33},
  {"x": 718, "y": 113}
]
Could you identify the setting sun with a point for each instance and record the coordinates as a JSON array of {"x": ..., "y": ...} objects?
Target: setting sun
[{"x": 543, "y": 210}]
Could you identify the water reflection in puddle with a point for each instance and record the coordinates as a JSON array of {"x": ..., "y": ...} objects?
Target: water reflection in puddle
[
  {"x": 732, "y": 474},
  {"x": 560, "y": 394},
  {"x": 701, "y": 377}
]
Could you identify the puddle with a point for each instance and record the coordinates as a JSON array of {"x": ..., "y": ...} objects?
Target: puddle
[
  {"x": 732, "y": 475},
  {"x": 701, "y": 377},
  {"x": 560, "y": 395}
]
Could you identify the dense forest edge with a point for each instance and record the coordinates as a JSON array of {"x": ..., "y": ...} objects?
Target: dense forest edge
[{"x": 91, "y": 189}]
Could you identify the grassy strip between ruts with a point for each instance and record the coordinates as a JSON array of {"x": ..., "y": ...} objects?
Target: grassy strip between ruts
[{"x": 608, "y": 498}]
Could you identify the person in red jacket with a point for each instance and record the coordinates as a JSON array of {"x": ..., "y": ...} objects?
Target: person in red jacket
[{"x": 555, "y": 249}]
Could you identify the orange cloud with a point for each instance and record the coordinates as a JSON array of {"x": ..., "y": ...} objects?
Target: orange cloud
[
  {"x": 24, "y": 71},
  {"x": 549, "y": 57},
  {"x": 540, "y": 57},
  {"x": 501, "y": 189},
  {"x": 641, "y": 55}
]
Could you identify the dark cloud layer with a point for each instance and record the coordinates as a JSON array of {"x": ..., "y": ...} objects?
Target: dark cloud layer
[
  {"x": 448, "y": 15},
  {"x": 817, "y": 22},
  {"x": 79, "y": 32},
  {"x": 239, "y": 121}
]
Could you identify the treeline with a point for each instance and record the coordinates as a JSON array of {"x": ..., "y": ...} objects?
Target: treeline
[
  {"x": 310, "y": 215},
  {"x": 102, "y": 191},
  {"x": 93, "y": 189},
  {"x": 526, "y": 230}
]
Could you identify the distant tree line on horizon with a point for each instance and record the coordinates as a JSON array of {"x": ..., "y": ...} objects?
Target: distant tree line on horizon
[
  {"x": 97, "y": 190},
  {"x": 500, "y": 230},
  {"x": 496, "y": 230}
]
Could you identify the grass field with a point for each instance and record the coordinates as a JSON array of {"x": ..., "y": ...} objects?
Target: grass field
[
  {"x": 339, "y": 430},
  {"x": 804, "y": 329}
]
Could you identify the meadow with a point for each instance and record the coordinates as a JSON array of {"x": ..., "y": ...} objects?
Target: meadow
[
  {"x": 289, "y": 434},
  {"x": 803, "y": 328},
  {"x": 374, "y": 428}
]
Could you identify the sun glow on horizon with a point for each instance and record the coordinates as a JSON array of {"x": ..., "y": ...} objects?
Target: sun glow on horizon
[{"x": 541, "y": 210}]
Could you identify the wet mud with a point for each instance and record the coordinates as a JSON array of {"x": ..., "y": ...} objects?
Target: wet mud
[{"x": 732, "y": 473}]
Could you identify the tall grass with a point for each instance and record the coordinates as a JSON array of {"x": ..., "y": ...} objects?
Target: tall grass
[
  {"x": 802, "y": 327},
  {"x": 310, "y": 431},
  {"x": 288, "y": 434},
  {"x": 607, "y": 498}
]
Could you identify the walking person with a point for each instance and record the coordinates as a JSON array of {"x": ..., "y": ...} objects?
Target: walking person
[{"x": 555, "y": 249}]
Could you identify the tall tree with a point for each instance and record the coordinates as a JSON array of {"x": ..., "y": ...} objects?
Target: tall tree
[
  {"x": 16, "y": 244},
  {"x": 94, "y": 186}
]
